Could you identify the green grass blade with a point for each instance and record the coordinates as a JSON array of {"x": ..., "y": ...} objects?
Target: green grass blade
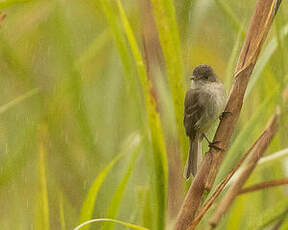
[
  {"x": 98, "y": 43},
  {"x": 119, "y": 39},
  {"x": 264, "y": 59},
  {"x": 269, "y": 215},
  {"x": 232, "y": 61},
  {"x": 43, "y": 185},
  {"x": 18, "y": 100},
  {"x": 88, "y": 205},
  {"x": 133, "y": 226},
  {"x": 118, "y": 195},
  {"x": 157, "y": 138},
  {"x": 74, "y": 82},
  {"x": 164, "y": 14},
  {"x": 144, "y": 199},
  {"x": 124, "y": 52},
  {"x": 231, "y": 16},
  {"x": 61, "y": 212},
  {"x": 280, "y": 155}
]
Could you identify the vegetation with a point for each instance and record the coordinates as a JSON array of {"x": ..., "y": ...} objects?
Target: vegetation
[{"x": 91, "y": 111}]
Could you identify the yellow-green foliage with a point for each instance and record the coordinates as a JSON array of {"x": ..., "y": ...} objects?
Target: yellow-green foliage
[{"x": 74, "y": 87}]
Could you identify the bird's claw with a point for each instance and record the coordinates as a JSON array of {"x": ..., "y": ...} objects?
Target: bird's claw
[
  {"x": 224, "y": 114},
  {"x": 214, "y": 146}
]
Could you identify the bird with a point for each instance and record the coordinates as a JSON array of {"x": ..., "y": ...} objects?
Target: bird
[{"x": 204, "y": 104}]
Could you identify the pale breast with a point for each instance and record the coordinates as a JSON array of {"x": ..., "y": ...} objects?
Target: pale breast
[{"x": 214, "y": 105}]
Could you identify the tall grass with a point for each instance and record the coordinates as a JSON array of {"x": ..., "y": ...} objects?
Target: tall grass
[
  {"x": 157, "y": 138},
  {"x": 164, "y": 14},
  {"x": 79, "y": 68}
]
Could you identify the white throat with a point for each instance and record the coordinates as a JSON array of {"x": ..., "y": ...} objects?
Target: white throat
[{"x": 197, "y": 84}]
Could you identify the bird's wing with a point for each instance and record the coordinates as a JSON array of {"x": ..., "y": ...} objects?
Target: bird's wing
[{"x": 194, "y": 108}]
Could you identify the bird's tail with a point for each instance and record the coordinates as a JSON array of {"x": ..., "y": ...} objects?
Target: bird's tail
[{"x": 194, "y": 157}]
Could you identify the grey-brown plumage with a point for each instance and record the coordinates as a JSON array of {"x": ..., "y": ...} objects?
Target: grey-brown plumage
[{"x": 204, "y": 103}]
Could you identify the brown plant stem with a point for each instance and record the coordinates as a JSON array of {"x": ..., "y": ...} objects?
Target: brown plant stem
[
  {"x": 209, "y": 203},
  {"x": 256, "y": 152},
  {"x": 264, "y": 185},
  {"x": 219, "y": 189},
  {"x": 256, "y": 35}
]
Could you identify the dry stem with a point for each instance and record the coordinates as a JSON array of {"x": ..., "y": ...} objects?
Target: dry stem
[
  {"x": 264, "y": 185},
  {"x": 208, "y": 204},
  {"x": 256, "y": 153},
  {"x": 219, "y": 189}
]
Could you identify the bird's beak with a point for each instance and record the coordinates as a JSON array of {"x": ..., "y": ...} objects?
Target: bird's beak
[{"x": 192, "y": 78}]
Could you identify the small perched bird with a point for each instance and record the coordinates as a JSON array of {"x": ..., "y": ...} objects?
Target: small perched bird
[{"x": 204, "y": 103}]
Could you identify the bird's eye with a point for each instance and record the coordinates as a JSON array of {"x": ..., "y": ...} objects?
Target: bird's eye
[{"x": 205, "y": 76}]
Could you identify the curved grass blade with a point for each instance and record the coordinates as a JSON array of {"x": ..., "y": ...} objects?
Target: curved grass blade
[
  {"x": 144, "y": 199},
  {"x": 273, "y": 157},
  {"x": 88, "y": 205},
  {"x": 263, "y": 60},
  {"x": 232, "y": 17},
  {"x": 147, "y": 209},
  {"x": 119, "y": 39},
  {"x": 61, "y": 212},
  {"x": 157, "y": 138},
  {"x": 18, "y": 100},
  {"x": 74, "y": 82},
  {"x": 124, "y": 52},
  {"x": 118, "y": 195},
  {"x": 133, "y": 226},
  {"x": 232, "y": 61},
  {"x": 43, "y": 184},
  {"x": 270, "y": 215},
  {"x": 164, "y": 14},
  {"x": 99, "y": 42}
]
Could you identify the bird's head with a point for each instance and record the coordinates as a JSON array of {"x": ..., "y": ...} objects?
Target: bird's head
[{"x": 204, "y": 73}]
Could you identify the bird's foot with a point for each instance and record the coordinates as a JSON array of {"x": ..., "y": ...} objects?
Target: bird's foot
[
  {"x": 224, "y": 114},
  {"x": 214, "y": 146}
]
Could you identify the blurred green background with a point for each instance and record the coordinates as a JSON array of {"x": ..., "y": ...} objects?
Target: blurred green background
[{"x": 80, "y": 137}]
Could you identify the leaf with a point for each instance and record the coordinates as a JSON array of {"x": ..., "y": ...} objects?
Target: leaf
[
  {"x": 119, "y": 39},
  {"x": 88, "y": 205},
  {"x": 43, "y": 187},
  {"x": 269, "y": 215},
  {"x": 144, "y": 199},
  {"x": 61, "y": 212},
  {"x": 157, "y": 138},
  {"x": 232, "y": 17},
  {"x": 74, "y": 81},
  {"x": 164, "y": 14},
  {"x": 273, "y": 157},
  {"x": 99, "y": 42},
  {"x": 133, "y": 226},
  {"x": 263, "y": 60},
  {"x": 124, "y": 52},
  {"x": 232, "y": 61},
  {"x": 118, "y": 195},
  {"x": 18, "y": 100},
  {"x": 258, "y": 29}
]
